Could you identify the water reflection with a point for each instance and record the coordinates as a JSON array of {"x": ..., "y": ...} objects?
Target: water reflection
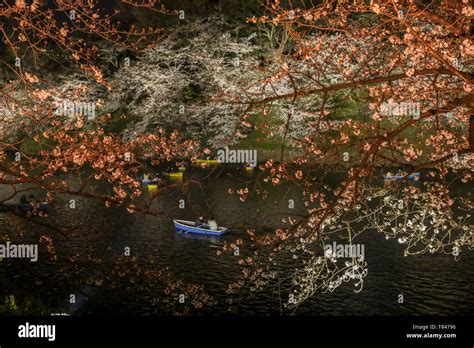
[{"x": 430, "y": 284}]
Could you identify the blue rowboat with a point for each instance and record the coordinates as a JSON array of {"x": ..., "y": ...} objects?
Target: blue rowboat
[
  {"x": 412, "y": 177},
  {"x": 145, "y": 182},
  {"x": 188, "y": 227},
  {"x": 39, "y": 207}
]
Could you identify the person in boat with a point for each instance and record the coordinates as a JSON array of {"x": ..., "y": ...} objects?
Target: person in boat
[
  {"x": 199, "y": 221},
  {"x": 35, "y": 203},
  {"x": 212, "y": 224},
  {"x": 32, "y": 200},
  {"x": 146, "y": 177}
]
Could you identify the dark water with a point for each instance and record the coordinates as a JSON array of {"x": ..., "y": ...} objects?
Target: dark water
[{"x": 430, "y": 284}]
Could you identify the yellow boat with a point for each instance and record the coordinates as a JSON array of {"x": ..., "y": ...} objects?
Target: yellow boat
[
  {"x": 153, "y": 187},
  {"x": 206, "y": 161},
  {"x": 174, "y": 175}
]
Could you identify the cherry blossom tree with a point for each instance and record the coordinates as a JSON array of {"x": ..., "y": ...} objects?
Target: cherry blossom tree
[
  {"x": 52, "y": 134},
  {"x": 68, "y": 140},
  {"x": 175, "y": 84},
  {"x": 409, "y": 64}
]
